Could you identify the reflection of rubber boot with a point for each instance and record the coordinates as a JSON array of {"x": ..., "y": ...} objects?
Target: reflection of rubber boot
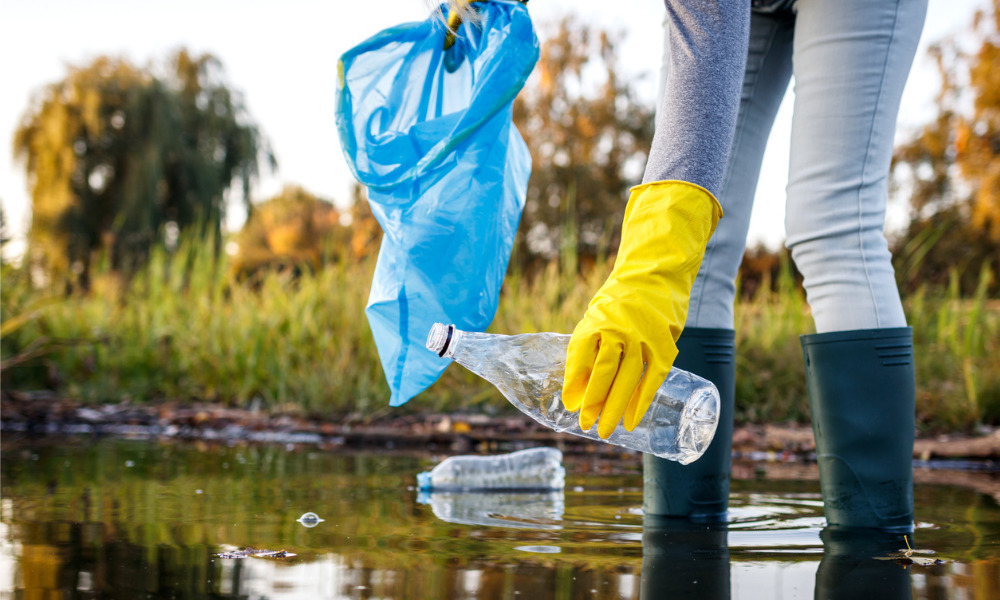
[
  {"x": 699, "y": 490},
  {"x": 681, "y": 559},
  {"x": 861, "y": 396},
  {"x": 856, "y": 564}
]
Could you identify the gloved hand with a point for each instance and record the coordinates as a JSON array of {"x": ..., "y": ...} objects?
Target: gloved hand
[{"x": 634, "y": 320}]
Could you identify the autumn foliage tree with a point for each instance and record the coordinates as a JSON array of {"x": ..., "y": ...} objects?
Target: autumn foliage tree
[
  {"x": 951, "y": 169},
  {"x": 294, "y": 229},
  {"x": 589, "y": 137},
  {"x": 115, "y": 153}
]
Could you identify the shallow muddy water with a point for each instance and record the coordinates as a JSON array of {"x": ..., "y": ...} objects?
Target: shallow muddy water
[{"x": 142, "y": 519}]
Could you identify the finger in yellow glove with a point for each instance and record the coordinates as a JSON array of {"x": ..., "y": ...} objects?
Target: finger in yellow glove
[{"x": 623, "y": 349}]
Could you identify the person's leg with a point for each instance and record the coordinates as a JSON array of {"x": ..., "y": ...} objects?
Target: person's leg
[
  {"x": 765, "y": 83},
  {"x": 706, "y": 347},
  {"x": 851, "y": 60}
]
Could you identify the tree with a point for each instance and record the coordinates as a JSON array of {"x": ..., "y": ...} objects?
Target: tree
[
  {"x": 4, "y": 234},
  {"x": 951, "y": 168},
  {"x": 366, "y": 234},
  {"x": 115, "y": 153},
  {"x": 291, "y": 230},
  {"x": 589, "y": 139}
]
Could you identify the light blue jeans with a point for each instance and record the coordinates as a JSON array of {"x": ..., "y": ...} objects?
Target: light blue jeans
[{"x": 850, "y": 60}]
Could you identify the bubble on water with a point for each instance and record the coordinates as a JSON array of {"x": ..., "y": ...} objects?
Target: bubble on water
[{"x": 310, "y": 519}]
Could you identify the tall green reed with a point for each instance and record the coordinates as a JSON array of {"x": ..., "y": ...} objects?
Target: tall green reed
[
  {"x": 186, "y": 328},
  {"x": 770, "y": 376},
  {"x": 957, "y": 352}
]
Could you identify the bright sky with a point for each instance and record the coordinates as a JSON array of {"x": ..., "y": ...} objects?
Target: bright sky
[{"x": 283, "y": 56}]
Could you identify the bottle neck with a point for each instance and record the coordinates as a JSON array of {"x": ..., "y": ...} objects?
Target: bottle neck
[{"x": 443, "y": 340}]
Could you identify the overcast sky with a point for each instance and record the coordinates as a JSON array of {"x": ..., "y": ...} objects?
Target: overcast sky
[{"x": 283, "y": 56}]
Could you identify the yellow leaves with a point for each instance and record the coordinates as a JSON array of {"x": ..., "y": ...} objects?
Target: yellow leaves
[
  {"x": 962, "y": 135},
  {"x": 291, "y": 228},
  {"x": 90, "y": 109},
  {"x": 986, "y": 207},
  {"x": 545, "y": 78},
  {"x": 586, "y": 127},
  {"x": 964, "y": 139},
  {"x": 977, "y": 155},
  {"x": 977, "y": 141},
  {"x": 287, "y": 239}
]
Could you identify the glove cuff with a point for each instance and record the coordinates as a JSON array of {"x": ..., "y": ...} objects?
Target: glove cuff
[{"x": 663, "y": 187}]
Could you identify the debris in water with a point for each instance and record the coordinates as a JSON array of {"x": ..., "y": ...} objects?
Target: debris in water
[
  {"x": 310, "y": 519},
  {"x": 906, "y": 558},
  {"x": 253, "y": 553}
]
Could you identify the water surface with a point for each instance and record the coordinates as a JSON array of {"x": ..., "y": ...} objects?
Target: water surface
[{"x": 81, "y": 518}]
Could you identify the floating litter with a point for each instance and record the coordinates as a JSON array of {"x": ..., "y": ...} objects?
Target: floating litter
[
  {"x": 310, "y": 519},
  {"x": 540, "y": 549},
  {"x": 255, "y": 553}
]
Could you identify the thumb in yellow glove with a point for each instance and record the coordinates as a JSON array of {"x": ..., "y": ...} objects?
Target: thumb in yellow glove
[{"x": 623, "y": 349}]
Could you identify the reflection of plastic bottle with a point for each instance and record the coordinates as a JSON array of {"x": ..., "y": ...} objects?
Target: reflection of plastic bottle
[
  {"x": 528, "y": 369},
  {"x": 514, "y": 510},
  {"x": 532, "y": 469}
]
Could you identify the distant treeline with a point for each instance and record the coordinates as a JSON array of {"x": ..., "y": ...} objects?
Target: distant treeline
[{"x": 130, "y": 289}]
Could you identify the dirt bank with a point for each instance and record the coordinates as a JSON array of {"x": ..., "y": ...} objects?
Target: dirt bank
[{"x": 42, "y": 413}]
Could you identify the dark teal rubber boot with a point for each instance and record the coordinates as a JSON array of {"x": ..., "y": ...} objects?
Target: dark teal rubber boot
[
  {"x": 859, "y": 563},
  {"x": 700, "y": 490},
  {"x": 861, "y": 396},
  {"x": 684, "y": 559}
]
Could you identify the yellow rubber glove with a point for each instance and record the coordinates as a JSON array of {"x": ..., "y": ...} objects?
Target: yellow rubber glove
[{"x": 634, "y": 320}]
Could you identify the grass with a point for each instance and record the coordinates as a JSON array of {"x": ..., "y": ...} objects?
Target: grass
[
  {"x": 958, "y": 371},
  {"x": 770, "y": 375},
  {"x": 186, "y": 328}
]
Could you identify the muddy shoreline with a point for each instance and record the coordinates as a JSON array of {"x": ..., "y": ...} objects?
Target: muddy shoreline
[{"x": 45, "y": 414}]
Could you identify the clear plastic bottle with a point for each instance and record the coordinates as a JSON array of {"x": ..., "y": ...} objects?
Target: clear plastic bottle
[
  {"x": 528, "y": 370},
  {"x": 535, "y": 469}
]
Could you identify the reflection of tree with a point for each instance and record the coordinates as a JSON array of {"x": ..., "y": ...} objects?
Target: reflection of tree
[
  {"x": 130, "y": 520},
  {"x": 120, "y": 158},
  {"x": 951, "y": 169},
  {"x": 137, "y": 518},
  {"x": 59, "y": 558}
]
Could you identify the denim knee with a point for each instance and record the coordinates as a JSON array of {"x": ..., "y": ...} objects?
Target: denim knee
[{"x": 847, "y": 270}]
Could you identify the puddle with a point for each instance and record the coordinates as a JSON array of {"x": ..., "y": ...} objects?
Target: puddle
[{"x": 114, "y": 518}]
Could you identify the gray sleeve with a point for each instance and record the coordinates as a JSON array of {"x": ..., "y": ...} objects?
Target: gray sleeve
[{"x": 704, "y": 62}]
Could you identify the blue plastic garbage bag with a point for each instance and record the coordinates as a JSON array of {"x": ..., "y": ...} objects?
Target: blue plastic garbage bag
[{"x": 429, "y": 132}]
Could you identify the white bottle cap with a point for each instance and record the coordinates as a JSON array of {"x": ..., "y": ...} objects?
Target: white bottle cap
[{"x": 439, "y": 338}]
